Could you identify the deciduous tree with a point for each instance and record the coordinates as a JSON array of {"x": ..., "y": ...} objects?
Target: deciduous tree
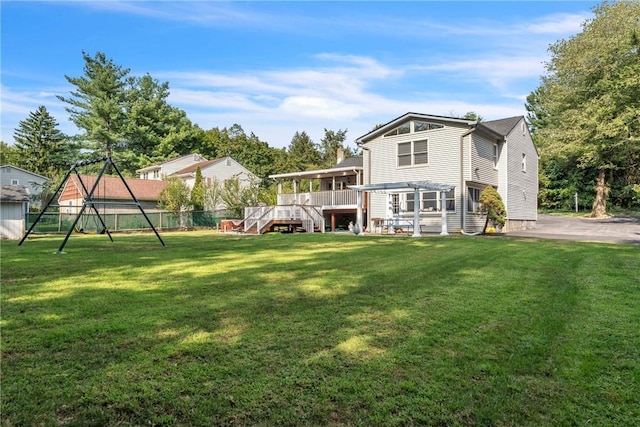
[{"x": 587, "y": 108}]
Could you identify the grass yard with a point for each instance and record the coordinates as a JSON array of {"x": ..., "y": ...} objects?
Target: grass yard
[{"x": 315, "y": 329}]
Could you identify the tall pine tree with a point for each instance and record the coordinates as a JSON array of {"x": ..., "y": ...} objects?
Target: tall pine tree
[{"x": 40, "y": 146}]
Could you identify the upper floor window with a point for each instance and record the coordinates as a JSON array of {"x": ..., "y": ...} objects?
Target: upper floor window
[
  {"x": 413, "y": 126},
  {"x": 496, "y": 154},
  {"x": 524, "y": 162},
  {"x": 413, "y": 153},
  {"x": 400, "y": 130},
  {"x": 419, "y": 126},
  {"x": 15, "y": 182}
]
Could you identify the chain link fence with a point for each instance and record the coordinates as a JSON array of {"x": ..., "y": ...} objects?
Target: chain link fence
[{"x": 55, "y": 222}]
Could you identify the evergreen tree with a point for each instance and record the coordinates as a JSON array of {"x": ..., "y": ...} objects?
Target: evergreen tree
[
  {"x": 303, "y": 153},
  {"x": 98, "y": 104},
  {"x": 197, "y": 192},
  {"x": 40, "y": 146},
  {"x": 491, "y": 204},
  {"x": 329, "y": 145}
]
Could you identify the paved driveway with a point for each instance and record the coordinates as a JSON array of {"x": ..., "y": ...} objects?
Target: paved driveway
[{"x": 623, "y": 229}]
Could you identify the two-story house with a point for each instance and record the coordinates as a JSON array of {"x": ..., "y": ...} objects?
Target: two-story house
[
  {"x": 425, "y": 173},
  {"x": 162, "y": 170},
  {"x": 13, "y": 175},
  {"x": 216, "y": 170},
  {"x": 449, "y": 161}
]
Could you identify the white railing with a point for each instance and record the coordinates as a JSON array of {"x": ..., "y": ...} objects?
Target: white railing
[
  {"x": 258, "y": 216},
  {"x": 261, "y": 216},
  {"x": 320, "y": 198}
]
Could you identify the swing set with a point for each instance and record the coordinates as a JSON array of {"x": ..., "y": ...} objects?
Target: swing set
[{"x": 90, "y": 202}]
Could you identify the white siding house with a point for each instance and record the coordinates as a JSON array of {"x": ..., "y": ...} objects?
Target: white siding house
[
  {"x": 13, "y": 175},
  {"x": 160, "y": 171},
  {"x": 460, "y": 153},
  {"x": 13, "y": 206},
  {"x": 220, "y": 170}
]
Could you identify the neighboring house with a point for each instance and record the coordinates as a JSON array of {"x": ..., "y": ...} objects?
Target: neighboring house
[
  {"x": 219, "y": 170},
  {"x": 328, "y": 188},
  {"x": 111, "y": 190},
  {"x": 14, "y": 201},
  {"x": 13, "y": 175},
  {"x": 461, "y": 155},
  {"x": 417, "y": 165},
  {"x": 161, "y": 170}
]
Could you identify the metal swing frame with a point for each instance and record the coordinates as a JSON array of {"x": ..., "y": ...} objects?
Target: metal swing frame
[{"x": 89, "y": 202}]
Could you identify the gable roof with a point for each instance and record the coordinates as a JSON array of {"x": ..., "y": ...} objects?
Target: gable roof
[
  {"x": 25, "y": 171},
  {"x": 14, "y": 193},
  {"x": 503, "y": 126},
  {"x": 349, "y": 162},
  {"x": 410, "y": 116},
  {"x": 192, "y": 168},
  {"x": 112, "y": 187},
  {"x": 173, "y": 159}
]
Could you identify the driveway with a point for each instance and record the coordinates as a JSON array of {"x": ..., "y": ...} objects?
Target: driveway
[{"x": 619, "y": 229}]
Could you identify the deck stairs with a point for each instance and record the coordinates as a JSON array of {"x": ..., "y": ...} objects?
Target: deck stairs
[{"x": 262, "y": 219}]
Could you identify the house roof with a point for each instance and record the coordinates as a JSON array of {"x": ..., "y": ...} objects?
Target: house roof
[
  {"x": 25, "y": 171},
  {"x": 112, "y": 187},
  {"x": 192, "y": 168},
  {"x": 348, "y": 166},
  {"x": 14, "y": 193},
  {"x": 408, "y": 116},
  {"x": 503, "y": 126},
  {"x": 349, "y": 162},
  {"x": 164, "y": 162}
]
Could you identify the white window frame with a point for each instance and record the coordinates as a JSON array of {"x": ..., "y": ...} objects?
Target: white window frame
[
  {"x": 524, "y": 162},
  {"x": 496, "y": 155},
  {"x": 15, "y": 181},
  {"x": 412, "y": 153},
  {"x": 436, "y": 203},
  {"x": 473, "y": 202}
]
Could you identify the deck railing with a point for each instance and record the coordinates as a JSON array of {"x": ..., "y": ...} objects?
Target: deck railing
[
  {"x": 260, "y": 216},
  {"x": 320, "y": 198}
]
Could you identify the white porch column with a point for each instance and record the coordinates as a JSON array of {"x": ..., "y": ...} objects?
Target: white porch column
[
  {"x": 443, "y": 209},
  {"x": 358, "y": 229},
  {"x": 416, "y": 213}
]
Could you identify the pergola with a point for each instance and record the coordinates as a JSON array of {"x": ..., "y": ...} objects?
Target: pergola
[{"x": 405, "y": 187}]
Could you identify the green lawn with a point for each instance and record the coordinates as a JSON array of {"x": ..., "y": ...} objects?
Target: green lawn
[{"x": 319, "y": 330}]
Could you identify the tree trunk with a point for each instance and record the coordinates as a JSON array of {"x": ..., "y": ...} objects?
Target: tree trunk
[{"x": 599, "y": 209}]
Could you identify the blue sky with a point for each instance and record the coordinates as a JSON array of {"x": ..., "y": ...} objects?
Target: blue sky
[{"x": 280, "y": 67}]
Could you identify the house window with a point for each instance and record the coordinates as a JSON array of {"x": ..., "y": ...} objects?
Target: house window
[
  {"x": 395, "y": 204},
  {"x": 410, "y": 202},
  {"x": 524, "y": 162},
  {"x": 432, "y": 201},
  {"x": 420, "y": 126},
  {"x": 156, "y": 174},
  {"x": 15, "y": 182},
  {"x": 496, "y": 154},
  {"x": 400, "y": 130},
  {"x": 413, "y": 153},
  {"x": 473, "y": 203}
]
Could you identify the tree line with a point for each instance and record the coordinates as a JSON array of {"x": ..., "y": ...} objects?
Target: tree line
[
  {"x": 130, "y": 119},
  {"x": 585, "y": 115},
  {"x": 584, "y": 118}
]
